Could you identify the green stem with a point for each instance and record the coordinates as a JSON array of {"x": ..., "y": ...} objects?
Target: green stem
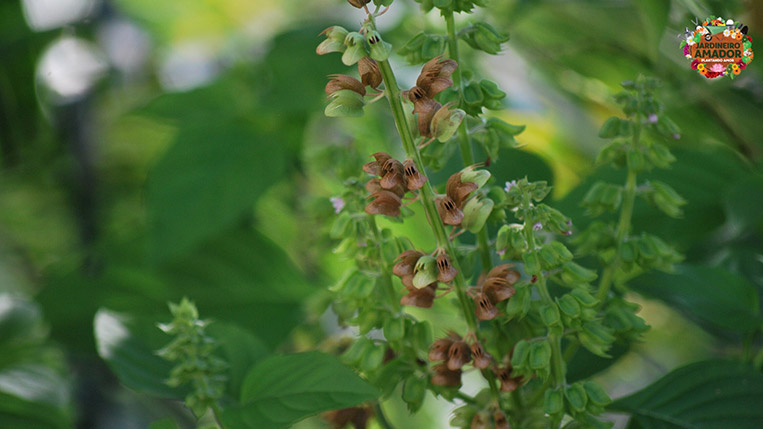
[
  {"x": 624, "y": 223},
  {"x": 558, "y": 369},
  {"x": 464, "y": 142},
  {"x": 381, "y": 418},
  {"x": 426, "y": 193},
  {"x": 386, "y": 274}
]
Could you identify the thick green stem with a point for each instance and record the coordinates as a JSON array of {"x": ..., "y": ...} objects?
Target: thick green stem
[
  {"x": 464, "y": 142},
  {"x": 426, "y": 193},
  {"x": 623, "y": 224}
]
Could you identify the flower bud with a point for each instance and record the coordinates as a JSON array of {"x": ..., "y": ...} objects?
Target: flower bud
[
  {"x": 334, "y": 40},
  {"x": 380, "y": 49},
  {"x": 476, "y": 212},
  {"x": 369, "y": 72},
  {"x": 446, "y": 121},
  {"x": 425, "y": 272},
  {"x": 471, "y": 174},
  {"x": 356, "y": 48},
  {"x": 345, "y": 103}
]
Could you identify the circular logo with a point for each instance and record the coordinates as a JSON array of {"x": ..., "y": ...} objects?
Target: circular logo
[{"x": 717, "y": 48}]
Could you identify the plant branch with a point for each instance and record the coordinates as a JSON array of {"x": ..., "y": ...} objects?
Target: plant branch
[
  {"x": 624, "y": 223},
  {"x": 464, "y": 142}
]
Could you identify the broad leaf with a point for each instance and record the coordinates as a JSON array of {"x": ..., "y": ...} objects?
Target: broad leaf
[
  {"x": 713, "y": 296},
  {"x": 213, "y": 173},
  {"x": 711, "y": 394},
  {"x": 282, "y": 390}
]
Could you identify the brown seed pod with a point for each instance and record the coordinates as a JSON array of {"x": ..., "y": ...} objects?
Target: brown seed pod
[
  {"x": 406, "y": 262},
  {"x": 449, "y": 212},
  {"x": 435, "y": 76},
  {"x": 422, "y": 298},
  {"x": 500, "y": 420},
  {"x": 459, "y": 191},
  {"x": 485, "y": 308},
  {"x": 438, "y": 351},
  {"x": 479, "y": 421},
  {"x": 446, "y": 271},
  {"x": 342, "y": 81},
  {"x": 392, "y": 174},
  {"x": 498, "y": 289},
  {"x": 459, "y": 355},
  {"x": 508, "y": 384},
  {"x": 369, "y": 72},
  {"x": 480, "y": 358},
  {"x": 505, "y": 271},
  {"x": 358, "y": 3},
  {"x": 384, "y": 202},
  {"x": 425, "y": 108},
  {"x": 446, "y": 377},
  {"x": 355, "y": 416},
  {"x": 375, "y": 167},
  {"x": 414, "y": 178}
]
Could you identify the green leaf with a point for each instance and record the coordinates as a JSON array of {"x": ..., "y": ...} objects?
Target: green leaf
[
  {"x": 710, "y": 394},
  {"x": 211, "y": 175},
  {"x": 715, "y": 297},
  {"x": 33, "y": 395},
  {"x": 282, "y": 390},
  {"x": 167, "y": 423},
  {"x": 128, "y": 345}
]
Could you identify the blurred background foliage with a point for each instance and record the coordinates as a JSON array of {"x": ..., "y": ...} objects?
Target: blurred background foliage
[{"x": 154, "y": 150}]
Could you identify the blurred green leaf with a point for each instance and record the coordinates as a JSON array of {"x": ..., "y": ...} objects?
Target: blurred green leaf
[
  {"x": 240, "y": 349},
  {"x": 711, "y": 394},
  {"x": 167, "y": 423},
  {"x": 282, "y": 390},
  {"x": 585, "y": 364},
  {"x": 216, "y": 169},
  {"x": 33, "y": 396},
  {"x": 744, "y": 205},
  {"x": 713, "y": 296},
  {"x": 128, "y": 344}
]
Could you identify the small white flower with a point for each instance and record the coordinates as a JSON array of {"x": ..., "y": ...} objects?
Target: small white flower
[
  {"x": 510, "y": 185},
  {"x": 652, "y": 118},
  {"x": 501, "y": 252},
  {"x": 691, "y": 42},
  {"x": 726, "y": 33},
  {"x": 537, "y": 226},
  {"x": 338, "y": 204}
]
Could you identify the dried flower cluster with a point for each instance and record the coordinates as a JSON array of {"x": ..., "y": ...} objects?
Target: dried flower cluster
[
  {"x": 497, "y": 286},
  {"x": 420, "y": 274},
  {"x": 393, "y": 181},
  {"x": 435, "y": 121}
]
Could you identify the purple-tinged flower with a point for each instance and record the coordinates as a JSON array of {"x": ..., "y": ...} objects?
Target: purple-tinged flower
[
  {"x": 338, "y": 204},
  {"x": 652, "y": 118},
  {"x": 501, "y": 252},
  {"x": 537, "y": 226},
  {"x": 676, "y": 136},
  {"x": 510, "y": 185}
]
